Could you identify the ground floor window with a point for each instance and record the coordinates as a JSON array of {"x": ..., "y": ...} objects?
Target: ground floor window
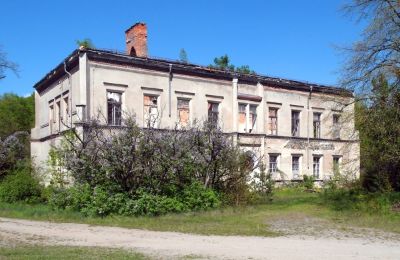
[
  {"x": 296, "y": 166},
  {"x": 317, "y": 166},
  {"x": 273, "y": 163}
]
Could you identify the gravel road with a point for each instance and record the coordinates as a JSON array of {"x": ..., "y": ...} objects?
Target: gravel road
[{"x": 171, "y": 245}]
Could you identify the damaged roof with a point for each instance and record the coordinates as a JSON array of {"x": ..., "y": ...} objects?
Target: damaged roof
[{"x": 114, "y": 57}]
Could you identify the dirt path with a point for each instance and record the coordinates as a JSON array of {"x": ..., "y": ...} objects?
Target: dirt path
[{"x": 167, "y": 245}]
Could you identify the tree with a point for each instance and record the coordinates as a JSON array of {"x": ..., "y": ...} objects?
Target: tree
[
  {"x": 16, "y": 114},
  {"x": 223, "y": 63},
  {"x": 378, "y": 52},
  {"x": 372, "y": 70},
  {"x": 86, "y": 43},
  {"x": 183, "y": 56},
  {"x": 5, "y": 64}
]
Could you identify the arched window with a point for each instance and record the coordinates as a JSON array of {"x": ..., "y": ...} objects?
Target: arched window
[{"x": 132, "y": 52}]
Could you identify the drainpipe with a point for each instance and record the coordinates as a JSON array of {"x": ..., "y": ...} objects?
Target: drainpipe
[
  {"x": 169, "y": 89},
  {"x": 308, "y": 129},
  {"x": 70, "y": 91}
]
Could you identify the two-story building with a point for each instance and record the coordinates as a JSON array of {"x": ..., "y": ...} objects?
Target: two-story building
[{"x": 297, "y": 127}]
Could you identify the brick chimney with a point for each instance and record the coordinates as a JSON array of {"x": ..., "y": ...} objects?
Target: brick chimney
[{"x": 136, "y": 40}]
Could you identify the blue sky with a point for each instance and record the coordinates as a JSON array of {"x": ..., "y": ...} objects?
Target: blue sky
[{"x": 289, "y": 39}]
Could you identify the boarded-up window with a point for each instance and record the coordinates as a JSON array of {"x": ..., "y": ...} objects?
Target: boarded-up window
[
  {"x": 317, "y": 125},
  {"x": 273, "y": 121},
  {"x": 114, "y": 103},
  {"x": 151, "y": 110},
  {"x": 213, "y": 113},
  {"x": 183, "y": 112},
  {"x": 242, "y": 118}
]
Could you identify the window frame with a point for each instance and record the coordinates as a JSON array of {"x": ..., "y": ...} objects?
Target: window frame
[
  {"x": 298, "y": 174},
  {"x": 270, "y": 118},
  {"x": 297, "y": 133},
  {"x": 317, "y": 124},
  {"x": 336, "y": 126},
  {"x": 273, "y": 170},
  {"x": 114, "y": 120},
  {"x": 180, "y": 108},
  {"x": 317, "y": 174},
  {"x": 148, "y": 121},
  {"x": 213, "y": 116}
]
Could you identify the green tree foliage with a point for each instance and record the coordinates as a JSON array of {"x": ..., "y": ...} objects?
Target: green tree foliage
[
  {"x": 183, "y": 56},
  {"x": 16, "y": 114},
  {"x": 378, "y": 122},
  {"x": 86, "y": 43},
  {"x": 223, "y": 63},
  {"x": 372, "y": 70}
]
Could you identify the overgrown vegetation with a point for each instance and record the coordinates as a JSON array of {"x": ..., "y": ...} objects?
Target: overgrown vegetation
[
  {"x": 134, "y": 171},
  {"x": 223, "y": 63}
]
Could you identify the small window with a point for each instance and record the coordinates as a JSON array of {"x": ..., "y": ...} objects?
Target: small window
[
  {"x": 273, "y": 121},
  {"x": 151, "y": 110},
  {"x": 242, "y": 118},
  {"x": 114, "y": 103},
  {"x": 336, "y": 165},
  {"x": 316, "y": 166},
  {"x": 183, "y": 112},
  {"x": 317, "y": 125},
  {"x": 336, "y": 126},
  {"x": 295, "y": 123},
  {"x": 252, "y": 118},
  {"x": 296, "y": 166},
  {"x": 213, "y": 113},
  {"x": 51, "y": 117},
  {"x": 273, "y": 164}
]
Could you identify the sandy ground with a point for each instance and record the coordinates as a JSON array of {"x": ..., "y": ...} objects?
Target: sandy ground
[{"x": 171, "y": 245}]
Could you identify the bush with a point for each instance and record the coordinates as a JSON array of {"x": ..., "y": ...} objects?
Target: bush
[
  {"x": 103, "y": 201},
  {"x": 308, "y": 182},
  {"x": 20, "y": 185}
]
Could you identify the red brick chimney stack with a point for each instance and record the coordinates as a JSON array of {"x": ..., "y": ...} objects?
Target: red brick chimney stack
[{"x": 136, "y": 40}]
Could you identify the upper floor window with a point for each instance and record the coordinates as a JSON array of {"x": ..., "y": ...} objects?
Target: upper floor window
[
  {"x": 273, "y": 121},
  {"x": 296, "y": 166},
  {"x": 336, "y": 126},
  {"x": 295, "y": 123},
  {"x": 213, "y": 112},
  {"x": 51, "y": 117},
  {"x": 316, "y": 166},
  {"x": 247, "y": 117},
  {"x": 57, "y": 115},
  {"x": 317, "y": 125},
  {"x": 65, "y": 109},
  {"x": 183, "y": 112},
  {"x": 151, "y": 110},
  {"x": 114, "y": 105}
]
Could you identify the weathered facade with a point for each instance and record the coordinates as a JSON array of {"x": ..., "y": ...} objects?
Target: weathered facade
[{"x": 298, "y": 128}]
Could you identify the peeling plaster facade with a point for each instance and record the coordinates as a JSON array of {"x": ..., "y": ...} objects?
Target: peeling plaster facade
[{"x": 77, "y": 89}]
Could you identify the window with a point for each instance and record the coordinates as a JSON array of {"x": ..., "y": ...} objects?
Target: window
[
  {"x": 336, "y": 126},
  {"x": 65, "y": 113},
  {"x": 242, "y": 118},
  {"x": 296, "y": 166},
  {"x": 316, "y": 166},
  {"x": 273, "y": 121},
  {"x": 213, "y": 113},
  {"x": 295, "y": 123},
  {"x": 150, "y": 110},
  {"x": 57, "y": 115},
  {"x": 183, "y": 112},
  {"x": 273, "y": 164},
  {"x": 51, "y": 117},
  {"x": 252, "y": 117},
  {"x": 247, "y": 118},
  {"x": 317, "y": 125},
  {"x": 114, "y": 102},
  {"x": 336, "y": 165}
]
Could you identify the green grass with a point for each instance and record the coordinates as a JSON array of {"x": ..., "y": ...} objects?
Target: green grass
[
  {"x": 64, "y": 252},
  {"x": 251, "y": 220}
]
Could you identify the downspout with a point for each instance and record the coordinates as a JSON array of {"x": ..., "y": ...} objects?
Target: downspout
[
  {"x": 308, "y": 129},
  {"x": 70, "y": 91},
  {"x": 169, "y": 89}
]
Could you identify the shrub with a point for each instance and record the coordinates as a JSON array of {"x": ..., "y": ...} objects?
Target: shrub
[
  {"x": 308, "y": 182},
  {"x": 20, "y": 185}
]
